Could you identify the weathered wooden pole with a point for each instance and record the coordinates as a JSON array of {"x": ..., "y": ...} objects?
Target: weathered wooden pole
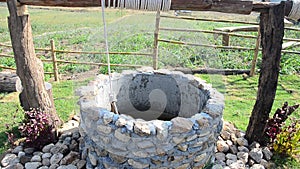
[
  {"x": 54, "y": 61},
  {"x": 29, "y": 67},
  {"x": 155, "y": 46},
  {"x": 227, "y": 6},
  {"x": 272, "y": 31},
  {"x": 254, "y": 60}
]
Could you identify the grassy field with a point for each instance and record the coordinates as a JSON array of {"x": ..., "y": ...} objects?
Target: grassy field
[
  {"x": 240, "y": 95},
  {"x": 132, "y": 31}
]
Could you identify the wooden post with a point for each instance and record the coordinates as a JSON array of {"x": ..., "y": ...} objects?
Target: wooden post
[
  {"x": 272, "y": 31},
  {"x": 225, "y": 40},
  {"x": 53, "y": 55},
  {"x": 155, "y": 46},
  {"x": 253, "y": 64},
  {"x": 29, "y": 67}
]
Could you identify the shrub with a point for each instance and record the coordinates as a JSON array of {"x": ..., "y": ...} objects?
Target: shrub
[
  {"x": 287, "y": 142},
  {"x": 274, "y": 125},
  {"x": 284, "y": 140},
  {"x": 36, "y": 128}
]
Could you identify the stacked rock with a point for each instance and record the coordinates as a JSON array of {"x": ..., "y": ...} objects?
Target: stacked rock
[
  {"x": 180, "y": 143},
  {"x": 234, "y": 151},
  {"x": 61, "y": 155}
]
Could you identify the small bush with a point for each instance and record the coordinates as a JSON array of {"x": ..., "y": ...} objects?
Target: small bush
[
  {"x": 274, "y": 125},
  {"x": 284, "y": 139},
  {"x": 36, "y": 128},
  {"x": 287, "y": 142}
]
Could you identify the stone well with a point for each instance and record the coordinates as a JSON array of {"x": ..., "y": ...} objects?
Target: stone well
[{"x": 167, "y": 120}]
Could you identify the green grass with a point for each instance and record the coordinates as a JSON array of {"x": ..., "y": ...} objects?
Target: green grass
[
  {"x": 64, "y": 98},
  {"x": 240, "y": 95},
  {"x": 286, "y": 162},
  {"x": 131, "y": 31},
  {"x": 8, "y": 111}
]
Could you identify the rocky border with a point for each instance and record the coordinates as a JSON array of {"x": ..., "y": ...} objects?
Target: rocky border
[{"x": 233, "y": 152}]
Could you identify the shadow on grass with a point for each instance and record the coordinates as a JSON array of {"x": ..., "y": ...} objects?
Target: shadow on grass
[
  {"x": 286, "y": 161},
  {"x": 4, "y": 142}
]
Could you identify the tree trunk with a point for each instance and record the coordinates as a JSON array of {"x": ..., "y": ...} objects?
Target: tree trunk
[
  {"x": 29, "y": 67},
  {"x": 10, "y": 82},
  {"x": 272, "y": 31}
]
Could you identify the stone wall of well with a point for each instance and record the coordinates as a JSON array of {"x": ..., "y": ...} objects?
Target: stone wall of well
[{"x": 120, "y": 141}]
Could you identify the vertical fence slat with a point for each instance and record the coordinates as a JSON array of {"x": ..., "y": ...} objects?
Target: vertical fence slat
[
  {"x": 53, "y": 55},
  {"x": 253, "y": 64},
  {"x": 155, "y": 47},
  {"x": 225, "y": 40}
]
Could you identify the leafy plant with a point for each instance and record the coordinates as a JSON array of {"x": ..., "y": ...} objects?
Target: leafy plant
[
  {"x": 8, "y": 62},
  {"x": 73, "y": 68},
  {"x": 36, "y": 128},
  {"x": 274, "y": 125},
  {"x": 284, "y": 139},
  {"x": 290, "y": 64},
  {"x": 287, "y": 142}
]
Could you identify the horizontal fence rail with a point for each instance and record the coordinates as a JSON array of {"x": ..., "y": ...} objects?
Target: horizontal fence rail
[
  {"x": 204, "y": 45},
  {"x": 208, "y": 20},
  {"x": 219, "y": 20},
  {"x": 220, "y": 46},
  {"x": 219, "y": 33},
  {"x": 84, "y": 52}
]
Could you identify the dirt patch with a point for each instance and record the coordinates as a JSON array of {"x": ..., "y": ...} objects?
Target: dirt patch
[
  {"x": 11, "y": 97},
  {"x": 93, "y": 72}
]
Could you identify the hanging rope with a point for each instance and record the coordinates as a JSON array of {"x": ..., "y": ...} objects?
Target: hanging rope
[
  {"x": 295, "y": 11},
  {"x": 111, "y": 94},
  {"x": 149, "y": 5}
]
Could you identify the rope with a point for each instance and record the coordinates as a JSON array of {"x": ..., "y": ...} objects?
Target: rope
[
  {"x": 295, "y": 11},
  {"x": 149, "y": 5},
  {"x": 111, "y": 94},
  {"x": 153, "y": 5}
]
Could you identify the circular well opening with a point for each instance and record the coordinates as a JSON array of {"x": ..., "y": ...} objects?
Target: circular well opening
[{"x": 151, "y": 96}]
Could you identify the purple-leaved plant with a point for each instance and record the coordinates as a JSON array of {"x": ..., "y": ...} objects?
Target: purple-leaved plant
[
  {"x": 36, "y": 129},
  {"x": 274, "y": 125}
]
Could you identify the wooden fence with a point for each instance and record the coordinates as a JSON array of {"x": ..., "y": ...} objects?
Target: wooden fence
[
  {"x": 226, "y": 33},
  {"x": 55, "y": 61}
]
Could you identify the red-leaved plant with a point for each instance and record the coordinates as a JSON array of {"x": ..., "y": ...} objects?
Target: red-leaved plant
[
  {"x": 275, "y": 124},
  {"x": 36, "y": 128}
]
